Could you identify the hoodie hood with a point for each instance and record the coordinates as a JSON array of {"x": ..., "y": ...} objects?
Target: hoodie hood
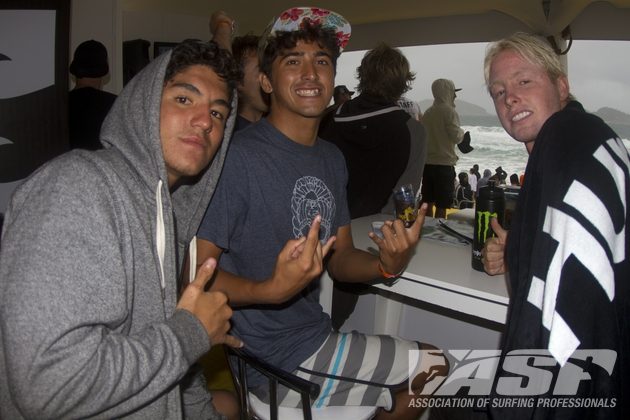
[
  {"x": 103, "y": 229},
  {"x": 133, "y": 127},
  {"x": 444, "y": 92},
  {"x": 133, "y": 123}
]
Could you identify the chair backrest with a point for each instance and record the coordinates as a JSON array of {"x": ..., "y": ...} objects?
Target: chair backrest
[
  {"x": 253, "y": 406},
  {"x": 262, "y": 411},
  {"x": 463, "y": 202}
]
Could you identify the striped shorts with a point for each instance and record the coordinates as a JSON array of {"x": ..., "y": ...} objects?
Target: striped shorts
[{"x": 354, "y": 369}]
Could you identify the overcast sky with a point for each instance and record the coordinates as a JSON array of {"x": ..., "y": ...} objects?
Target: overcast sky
[{"x": 599, "y": 72}]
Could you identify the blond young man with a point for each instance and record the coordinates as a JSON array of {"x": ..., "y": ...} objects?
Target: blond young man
[{"x": 566, "y": 255}]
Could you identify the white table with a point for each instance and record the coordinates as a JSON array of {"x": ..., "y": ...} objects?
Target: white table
[{"x": 438, "y": 274}]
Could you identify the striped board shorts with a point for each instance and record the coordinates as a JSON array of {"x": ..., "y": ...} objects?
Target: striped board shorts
[{"x": 354, "y": 369}]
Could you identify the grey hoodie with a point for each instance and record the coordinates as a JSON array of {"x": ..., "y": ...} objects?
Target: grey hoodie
[{"x": 91, "y": 249}]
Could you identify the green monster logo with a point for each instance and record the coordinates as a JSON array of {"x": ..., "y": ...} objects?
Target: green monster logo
[{"x": 483, "y": 224}]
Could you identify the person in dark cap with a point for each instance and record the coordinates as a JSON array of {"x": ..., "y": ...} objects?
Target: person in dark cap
[
  {"x": 88, "y": 104},
  {"x": 499, "y": 176},
  {"x": 342, "y": 94}
]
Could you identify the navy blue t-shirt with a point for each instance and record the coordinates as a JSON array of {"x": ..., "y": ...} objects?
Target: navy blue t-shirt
[{"x": 270, "y": 190}]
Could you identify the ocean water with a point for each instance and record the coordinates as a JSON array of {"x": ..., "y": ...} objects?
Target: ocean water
[{"x": 494, "y": 148}]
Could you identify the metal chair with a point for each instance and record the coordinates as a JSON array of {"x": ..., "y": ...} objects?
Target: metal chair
[
  {"x": 463, "y": 203},
  {"x": 252, "y": 407}
]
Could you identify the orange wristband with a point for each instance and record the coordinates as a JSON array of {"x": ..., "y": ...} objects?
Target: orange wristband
[{"x": 387, "y": 275}]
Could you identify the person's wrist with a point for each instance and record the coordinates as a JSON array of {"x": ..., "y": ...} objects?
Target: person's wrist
[
  {"x": 265, "y": 292},
  {"x": 386, "y": 274},
  {"x": 230, "y": 25}
]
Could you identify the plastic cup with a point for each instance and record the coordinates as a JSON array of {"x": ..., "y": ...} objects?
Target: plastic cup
[{"x": 405, "y": 203}]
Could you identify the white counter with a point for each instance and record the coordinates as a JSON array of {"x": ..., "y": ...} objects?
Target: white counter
[{"x": 439, "y": 274}]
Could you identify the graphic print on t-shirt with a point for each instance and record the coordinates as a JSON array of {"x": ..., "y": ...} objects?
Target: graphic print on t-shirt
[{"x": 311, "y": 197}]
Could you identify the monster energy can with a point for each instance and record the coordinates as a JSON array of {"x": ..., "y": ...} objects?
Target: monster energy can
[{"x": 490, "y": 203}]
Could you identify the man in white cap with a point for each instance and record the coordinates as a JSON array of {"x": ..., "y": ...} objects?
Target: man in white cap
[{"x": 442, "y": 126}]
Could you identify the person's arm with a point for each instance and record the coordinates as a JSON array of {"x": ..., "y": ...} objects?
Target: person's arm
[
  {"x": 211, "y": 309},
  {"x": 454, "y": 132},
  {"x": 66, "y": 280},
  {"x": 297, "y": 264},
  {"x": 222, "y": 28},
  {"x": 352, "y": 265}
]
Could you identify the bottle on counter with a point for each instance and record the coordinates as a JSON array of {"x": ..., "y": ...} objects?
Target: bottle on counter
[{"x": 490, "y": 203}]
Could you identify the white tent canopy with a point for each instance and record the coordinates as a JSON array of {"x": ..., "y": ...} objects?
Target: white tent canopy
[{"x": 420, "y": 22}]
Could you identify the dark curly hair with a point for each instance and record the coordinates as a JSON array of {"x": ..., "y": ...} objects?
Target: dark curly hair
[
  {"x": 384, "y": 72},
  {"x": 308, "y": 32},
  {"x": 244, "y": 45},
  {"x": 191, "y": 52}
]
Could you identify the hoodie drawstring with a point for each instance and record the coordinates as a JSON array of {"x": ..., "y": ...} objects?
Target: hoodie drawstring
[
  {"x": 192, "y": 259},
  {"x": 160, "y": 235},
  {"x": 367, "y": 114}
]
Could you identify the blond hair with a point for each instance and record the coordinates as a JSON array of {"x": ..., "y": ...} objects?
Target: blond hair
[{"x": 532, "y": 48}]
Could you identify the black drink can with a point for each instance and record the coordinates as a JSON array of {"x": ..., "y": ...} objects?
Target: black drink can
[{"x": 490, "y": 203}]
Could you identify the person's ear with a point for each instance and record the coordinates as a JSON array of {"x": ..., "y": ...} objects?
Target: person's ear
[
  {"x": 563, "y": 88},
  {"x": 265, "y": 83}
]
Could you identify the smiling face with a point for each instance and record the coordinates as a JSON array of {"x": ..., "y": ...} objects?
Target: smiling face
[
  {"x": 524, "y": 96},
  {"x": 301, "y": 84},
  {"x": 193, "y": 112}
]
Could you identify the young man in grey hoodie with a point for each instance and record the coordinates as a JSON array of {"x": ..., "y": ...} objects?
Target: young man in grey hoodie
[{"x": 90, "y": 321}]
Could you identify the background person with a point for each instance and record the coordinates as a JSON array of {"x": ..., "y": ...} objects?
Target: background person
[
  {"x": 382, "y": 145},
  {"x": 341, "y": 95},
  {"x": 411, "y": 107},
  {"x": 499, "y": 176},
  {"x": 253, "y": 103},
  {"x": 472, "y": 180},
  {"x": 88, "y": 104},
  {"x": 463, "y": 192},
  {"x": 92, "y": 247},
  {"x": 487, "y": 173},
  {"x": 475, "y": 170},
  {"x": 441, "y": 122}
]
